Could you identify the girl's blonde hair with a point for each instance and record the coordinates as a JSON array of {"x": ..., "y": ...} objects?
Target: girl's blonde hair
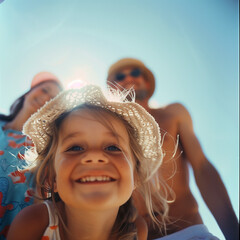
[{"x": 152, "y": 191}]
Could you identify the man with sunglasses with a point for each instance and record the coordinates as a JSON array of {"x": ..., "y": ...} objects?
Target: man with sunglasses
[{"x": 174, "y": 120}]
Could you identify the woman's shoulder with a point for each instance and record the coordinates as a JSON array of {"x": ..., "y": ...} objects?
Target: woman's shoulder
[{"x": 30, "y": 223}]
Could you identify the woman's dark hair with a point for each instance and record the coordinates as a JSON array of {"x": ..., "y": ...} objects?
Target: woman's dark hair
[
  {"x": 14, "y": 109},
  {"x": 18, "y": 103}
]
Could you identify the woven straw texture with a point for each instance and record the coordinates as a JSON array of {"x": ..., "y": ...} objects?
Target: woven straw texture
[{"x": 146, "y": 128}]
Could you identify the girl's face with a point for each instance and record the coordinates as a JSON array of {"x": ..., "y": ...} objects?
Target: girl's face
[
  {"x": 94, "y": 166},
  {"x": 37, "y": 97}
]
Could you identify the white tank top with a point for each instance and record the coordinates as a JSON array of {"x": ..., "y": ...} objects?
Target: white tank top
[{"x": 52, "y": 231}]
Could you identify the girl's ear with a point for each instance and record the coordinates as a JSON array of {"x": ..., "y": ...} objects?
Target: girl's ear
[
  {"x": 136, "y": 173},
  {"x": 52, "y": 180},
  {"x": 51, "y": 183},
  {"x": 136, "y": 179},
  {"x": 55, "y": 186}
]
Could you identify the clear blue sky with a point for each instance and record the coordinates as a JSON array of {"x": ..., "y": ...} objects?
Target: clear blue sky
[{"x": 190, "y": 45}]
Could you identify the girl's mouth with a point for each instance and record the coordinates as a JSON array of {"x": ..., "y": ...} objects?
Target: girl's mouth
[{"x": 95, "y": 179}]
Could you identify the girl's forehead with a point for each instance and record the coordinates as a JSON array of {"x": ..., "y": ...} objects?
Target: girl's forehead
[
  {"x": 97, "y": 114},
  {"x": 95, "y": 130},
  {"x": 101, "y": 117}
]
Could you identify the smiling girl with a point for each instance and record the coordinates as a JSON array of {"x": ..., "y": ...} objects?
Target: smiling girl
[{"x": 92, "y": 151}]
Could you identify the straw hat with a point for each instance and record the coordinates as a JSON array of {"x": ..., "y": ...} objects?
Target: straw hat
[
  {"x": 147, "y": 131},
  {"x": 43, "y": 77},
  {"x": 132, "y": 62}
]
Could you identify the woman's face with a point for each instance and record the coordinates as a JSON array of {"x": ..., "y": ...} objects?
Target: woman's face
[{"x": 39, "y": 95}]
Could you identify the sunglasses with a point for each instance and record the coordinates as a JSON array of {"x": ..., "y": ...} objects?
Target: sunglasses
[{"x": 134, "y": 73}]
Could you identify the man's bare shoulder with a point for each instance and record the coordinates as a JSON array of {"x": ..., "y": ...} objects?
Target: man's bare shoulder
[{"x": 173, "y": 109}]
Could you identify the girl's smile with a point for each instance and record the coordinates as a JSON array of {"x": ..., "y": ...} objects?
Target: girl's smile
[{"x": 95, "y": 177}]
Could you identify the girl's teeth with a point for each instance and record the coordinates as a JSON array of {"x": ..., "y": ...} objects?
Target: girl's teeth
[{"x": 95, "y": 179}]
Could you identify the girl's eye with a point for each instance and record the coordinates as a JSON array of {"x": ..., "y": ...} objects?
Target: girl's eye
[
  {"x": 75, "y": 149},
  {"x": 113, "y": 148}
]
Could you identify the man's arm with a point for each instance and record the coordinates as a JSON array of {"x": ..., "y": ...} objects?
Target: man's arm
[{"x": 207, "y": 178}]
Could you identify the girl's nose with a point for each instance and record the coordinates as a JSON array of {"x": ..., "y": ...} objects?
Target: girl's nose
[{"x": 95, "y": 158}]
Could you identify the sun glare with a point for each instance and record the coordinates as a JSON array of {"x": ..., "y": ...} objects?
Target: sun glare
[{"x": 78, "y": 83}]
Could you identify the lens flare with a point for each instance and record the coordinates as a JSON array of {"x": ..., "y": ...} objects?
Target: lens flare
[{"x": 78, "y": 83}]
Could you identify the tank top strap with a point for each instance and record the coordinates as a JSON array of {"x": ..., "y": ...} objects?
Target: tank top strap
[{"x": 53, "y": 217}]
